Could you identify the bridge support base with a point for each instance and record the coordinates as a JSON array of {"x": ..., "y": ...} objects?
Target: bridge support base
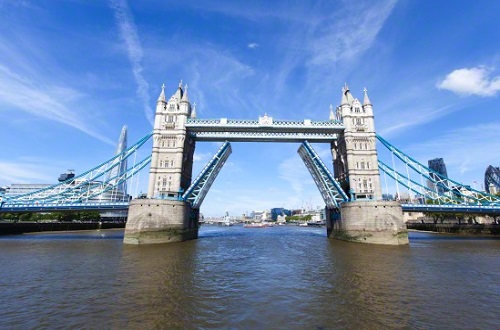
[
  {"x": 155, "y": 221},
  {"x": 368, "y": 221}
]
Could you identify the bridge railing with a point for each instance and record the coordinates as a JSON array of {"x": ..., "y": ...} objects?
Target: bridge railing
[{"x": 256, "y": 123}]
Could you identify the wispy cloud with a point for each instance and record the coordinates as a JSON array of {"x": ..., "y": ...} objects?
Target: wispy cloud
[
  {"x": 129, "y": 35},
  {"x": 221, "y": 76},
  {"x": 350, "y": 34},
  {"x": 253, "y": 45},
  {"x": 49, "y": 101},
  {"x": 201, "y": 156},
  {"x": 419, "y": 116},
  {"x": 473, "y": 81},
  {"x": 24, "y": 172},
  {"x": 294, "y": 172}
]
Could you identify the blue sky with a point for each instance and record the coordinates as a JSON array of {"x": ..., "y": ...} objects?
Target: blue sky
[{"x": 73, "y": 72}]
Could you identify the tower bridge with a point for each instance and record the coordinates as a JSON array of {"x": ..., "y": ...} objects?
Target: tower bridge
[{"x": 352, "y": 193}]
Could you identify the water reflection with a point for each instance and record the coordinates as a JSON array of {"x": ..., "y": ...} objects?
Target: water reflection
[{"x": 286, "y": 277}]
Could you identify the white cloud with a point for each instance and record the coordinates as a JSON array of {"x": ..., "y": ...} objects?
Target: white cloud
[
  {"x": 48, "y": 101},
  {"x": 11, "y": 172},
  {"x": 253, "y": 45},
  {"x": 345, "y": 37},
  {"x": 128, "y": 32},
  {"x": 473, "y": 81}
]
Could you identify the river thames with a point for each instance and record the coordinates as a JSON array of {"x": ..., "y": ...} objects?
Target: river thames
[{"x": 240, "y": 278}]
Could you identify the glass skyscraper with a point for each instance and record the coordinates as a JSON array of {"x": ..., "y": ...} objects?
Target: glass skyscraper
[{"x": 437, "y": 165}]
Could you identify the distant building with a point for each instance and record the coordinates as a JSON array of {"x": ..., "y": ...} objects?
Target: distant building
[
  {"x": 261, "y": 215},
  {"x": 277, "y": 211},
  {"x": 492, "y": 179},
  {"x": 387, "y": 197},
  {"x": 438, "y": 166}
]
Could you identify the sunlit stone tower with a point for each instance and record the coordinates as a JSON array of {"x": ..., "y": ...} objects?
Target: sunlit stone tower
[
  {"x": 366, "y": 217},
  {"x": 164, "y": 217},
  {"x": 355, "y": 152},
  {"x": 172, "y": 157}
]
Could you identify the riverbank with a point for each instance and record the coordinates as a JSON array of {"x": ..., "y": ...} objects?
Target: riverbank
[
  {"x": 16, "y": 228},
  {"x": 457, "y": 229}
]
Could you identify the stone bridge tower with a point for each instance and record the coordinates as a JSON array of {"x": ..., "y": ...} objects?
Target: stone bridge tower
[
  {"x": 172, "y": 157},
  {"x": 355, "y": 153},
  {"x": 366, "y": 218},
  {"x": 164, "y": 217}
]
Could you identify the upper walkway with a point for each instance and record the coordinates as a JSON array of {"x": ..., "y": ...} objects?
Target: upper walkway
[{"x": 265, "y": 129}]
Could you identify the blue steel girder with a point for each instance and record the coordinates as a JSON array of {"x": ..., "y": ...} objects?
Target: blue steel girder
[
  {"x": 330, "y": 189},
  {"x": 263, "y": 130},
  {"x": 418, "y": 188},
  {"x": 196, "y": 193},
  {"x": 85, "y": 185},
  {"x": 51, "y": 207},
  {"x": 491, "y": 210},
  {"x": 451, "y": 187}
]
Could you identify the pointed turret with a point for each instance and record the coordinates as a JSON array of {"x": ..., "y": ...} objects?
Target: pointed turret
[
  {"x": 366, "y": 100},
  {"x": 185, "y": 94},
  {"x": 344, "y": 96},
  {"x": 193, "y": 111},
  {"x": 348, "y": 94},
  {"x": 178, "y": 94},
  {"x": 332, "y": 115},
  {"x": 162, "y": 98}
]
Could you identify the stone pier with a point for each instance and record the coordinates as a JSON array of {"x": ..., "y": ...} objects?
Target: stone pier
[
  {"x": 154, "y": 221},
  {"x": 369, "y": 221}
]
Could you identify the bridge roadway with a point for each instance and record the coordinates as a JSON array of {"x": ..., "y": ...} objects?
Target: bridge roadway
[
  {"x": 452, "y": 208},
  {"x": 48, "y": 207},
  {"x": 264, "y": 130},
  {"x": 118, "y": 206}
]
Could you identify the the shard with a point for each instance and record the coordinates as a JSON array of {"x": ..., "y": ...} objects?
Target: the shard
[{"x": 116, "y": 173}]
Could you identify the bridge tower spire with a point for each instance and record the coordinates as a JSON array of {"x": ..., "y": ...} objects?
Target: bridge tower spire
[
  {"x": 355, "y": 153},
  {"x": 366, "y": 217}
]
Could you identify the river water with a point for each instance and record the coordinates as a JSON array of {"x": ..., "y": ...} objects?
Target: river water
[{"x": 247, "y": 278}]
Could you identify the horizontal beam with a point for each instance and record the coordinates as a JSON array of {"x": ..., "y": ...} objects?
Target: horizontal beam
[
  {"x": 48, "y": 207},
  {"x": 264, "y": 125},
  {"x": 263, "y": 137},
  {"x": 452, "y": 208}
]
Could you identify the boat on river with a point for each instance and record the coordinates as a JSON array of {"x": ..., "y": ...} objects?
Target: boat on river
[{"x": 257, "y": 225}]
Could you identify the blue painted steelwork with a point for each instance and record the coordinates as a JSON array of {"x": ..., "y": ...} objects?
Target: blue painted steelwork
[
  {"x": 85, "y": 186},
  {"x": 417, "y": 188},
  {"x": 330, "y": 189},
  {"x": 453, "y": 192},
  {"x": 454, "y": 208},
  {"x": 263, "y": 130},
  {"x": 200, "y": 186},
  {"x": 48, "y": 207},
  {"x": 263, "y": 136}
]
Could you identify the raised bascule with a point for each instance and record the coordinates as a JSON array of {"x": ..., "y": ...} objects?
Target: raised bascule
[
  {"x": 353, "y": 198},
  {"x": 355, "y": 208}
]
